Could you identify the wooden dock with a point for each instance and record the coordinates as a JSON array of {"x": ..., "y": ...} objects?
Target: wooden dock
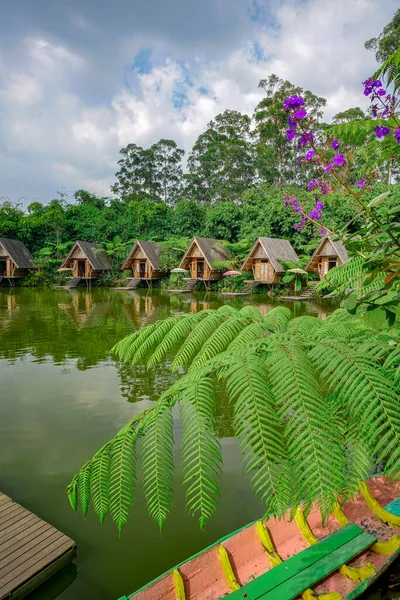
[{"x": 31, "y": 550}]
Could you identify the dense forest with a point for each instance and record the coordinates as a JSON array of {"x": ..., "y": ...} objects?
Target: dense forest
[{"x": 230, "y": 186}]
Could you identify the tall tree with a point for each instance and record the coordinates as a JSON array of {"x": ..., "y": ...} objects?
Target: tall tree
[
  {"x": 154, "y": 174},
  {"x": 221, "y": 163},
  {"x": 274, "y": 154},
  {"x": 167, "y": 159},
  {"x": 388, "y": 41}
]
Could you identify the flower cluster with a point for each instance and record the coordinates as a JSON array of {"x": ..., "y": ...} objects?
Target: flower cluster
[{"x": 383, "y": 106}]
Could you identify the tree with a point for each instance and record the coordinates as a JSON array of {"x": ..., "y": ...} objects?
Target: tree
[
  {"x": 154, "y": 174},
  {"x": 349, "y": 115},
  {"x": 223, "y": 221},
  {"x": 388, "y": 41},
  {"x": 168, "y": 174},
  {"x": 221, "y": 163},
  {"x": 314, "y": 410},
  {"x": 274, "y": 154},
  {"x": 188, "y": 218}
]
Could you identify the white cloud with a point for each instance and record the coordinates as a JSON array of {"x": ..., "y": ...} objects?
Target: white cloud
[{"x": 56, "y": 131}]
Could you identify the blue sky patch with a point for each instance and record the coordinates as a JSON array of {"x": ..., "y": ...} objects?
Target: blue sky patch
[{"x": 142, "y": 61}]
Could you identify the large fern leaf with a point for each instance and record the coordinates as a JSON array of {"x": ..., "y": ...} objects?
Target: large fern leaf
[
  {"x": 313, "y": 443},
  {"x": 178, "y": 333},
  {"x": 258, "y": 428},
  {"x": 278, "y": 318},
  {"x": 122, "y": 477},
  {"x": 201, "y": 451},
  {"x": 220, "y": 339},
  {"x": 100, "y": 481},
  {"x": 158, "y": 463},
  {"x": 368, "y": 396},
  {"x": 195, "y": 340}
]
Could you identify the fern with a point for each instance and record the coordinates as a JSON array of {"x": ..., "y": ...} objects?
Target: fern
[
  {"x": 158, "y": 464},
  {"x": 122, "y": 477},
  {"x": 257, "y": 426},
  {"x": 315, "y": 405},
  {"x": 201, "y": 452},
  {"x": 312, "y": 442}
]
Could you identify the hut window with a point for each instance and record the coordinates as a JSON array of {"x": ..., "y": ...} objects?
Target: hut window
[
  {"x": 264, "y": 267},
  {"x": 331, "y": 263}
]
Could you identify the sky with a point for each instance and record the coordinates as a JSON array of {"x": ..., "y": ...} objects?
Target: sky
[{"x": 80, "y": 79}]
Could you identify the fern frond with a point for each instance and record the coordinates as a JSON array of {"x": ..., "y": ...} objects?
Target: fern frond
[
  {"x": 250, "y": 333},
  {"x": 100, "y": 481},
  {"x": 127, "y": 350},
  {"x": 278, "y": 318},
  {"x": 158, "y": 463},
  {"x": 72, "y": 493},
  {"x": 304, "y": 326},
  {"x": 358, "y": 459},
  {"x": 313, "y": 443},
  {"x": 339, "y": 315},
  {"x": 158, "y": 334},
  {"x": 344, "y": 273},
  {"x": 258, "y": 429},
  {"x": 220, "y": 340},
  {"x": 178, "y": 333},
  {"x": 122, "y": 477},
  {"x": 251, "y": 312},
  {"x": 201, "y": 450},
  {"x": 368, "y": 396},
  {"x": 84, "y": 476},
  {"x": 195, "y": 340}
]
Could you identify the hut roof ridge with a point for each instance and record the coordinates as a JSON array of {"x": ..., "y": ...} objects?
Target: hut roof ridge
[{"x": 18, "y": 253}]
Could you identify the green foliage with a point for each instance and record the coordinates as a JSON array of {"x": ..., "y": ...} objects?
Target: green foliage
[
  {"x": 388, "y": 40},
  {"x": 315, "y": 404}
]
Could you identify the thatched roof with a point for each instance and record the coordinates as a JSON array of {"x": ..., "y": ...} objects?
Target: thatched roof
[
  {"x": 18, "y": 253},
  {"x": 275, "y": 250},
  {"x": 211, "y": 249},
  {"x": 337, "y": 246},
  {"x": 151, "y": 251},
  {"x": 100, "y": 261}
]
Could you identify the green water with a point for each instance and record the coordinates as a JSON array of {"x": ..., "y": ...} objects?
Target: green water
[{"x": 62, "y": 397}]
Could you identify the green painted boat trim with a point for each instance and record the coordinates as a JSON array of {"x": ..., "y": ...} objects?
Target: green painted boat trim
[{"x": 393, "y": 507}]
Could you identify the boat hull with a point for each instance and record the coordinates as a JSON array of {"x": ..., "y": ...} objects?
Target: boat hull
[{"x": 255, "y": 549}]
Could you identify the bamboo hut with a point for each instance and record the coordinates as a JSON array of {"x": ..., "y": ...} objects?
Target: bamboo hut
[
  {"x": 86, "y": 261},
  {"x": 15, "y": 260},
  {"x": 327, "y": 255},
  {"x": 264, "y": 259},
  {"x": 201, "y": 256},
  {"x": 144, "y": 261}
]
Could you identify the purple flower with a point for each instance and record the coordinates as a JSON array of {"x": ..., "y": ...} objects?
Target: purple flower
[
  {"x": 311, "y": 184},
  {"x": 374, "y": 110},
  {"x": 378, "y": 83},
  {"x": 290, "y": 133},
  {"x": 397, "y": 135},
  {"x": 305, "y": 139},
  {"x": 367, "y": 90},
  {"x": 335, "y": 145},
  {"x": 381, "y": 131},
  {"x": 381, "y": 92},
  {"x": 323, "y": 231},
  {"x": 361, "y": 183},
  {"x": 319, "y": 205},
  {"x": 328, "y": 168},
  {"x": 339, "y": 160},
  {"x": 293, "y": 103},
  {"x": 309, "y": 155},
  {"x": 300, "y": 114},
  {"x": 292, "y": 123}
]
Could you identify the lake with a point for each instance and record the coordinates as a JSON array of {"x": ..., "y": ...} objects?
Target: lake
[{"x": 62, "y": 397}]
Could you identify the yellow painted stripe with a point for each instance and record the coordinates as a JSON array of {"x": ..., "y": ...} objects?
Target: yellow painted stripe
[
  {"x": 275, "y": 560},
  {"x": 227, "y": 569},
  {"x": 386, "y": 548},
  {"x": 179, "y": 587},
  {"x": 352, "y": 573},
  {"x": 377, "y": 509},
  {"x": 268, "y": 545}
]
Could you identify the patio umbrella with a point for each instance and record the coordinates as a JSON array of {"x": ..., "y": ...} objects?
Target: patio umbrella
[
  {"x": 178, "y": 270},
  {"x": 231, "y": 273}
]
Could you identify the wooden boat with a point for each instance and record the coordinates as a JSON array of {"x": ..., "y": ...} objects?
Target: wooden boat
[{"x": 303, "y": 558}]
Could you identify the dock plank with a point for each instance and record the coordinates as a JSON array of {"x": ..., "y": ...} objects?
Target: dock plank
[{"x": 31, "y": 550}]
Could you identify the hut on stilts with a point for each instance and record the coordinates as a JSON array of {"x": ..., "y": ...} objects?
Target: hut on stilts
[
  {"x": 327, "y": 255},
  {"x": 201, "y": 259},
  {"x": 144, "y": 263},
  {"x": 15, "y": 261},
  {"x": 86, "y": 261},
  {"x": 264, "y": 260}
]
